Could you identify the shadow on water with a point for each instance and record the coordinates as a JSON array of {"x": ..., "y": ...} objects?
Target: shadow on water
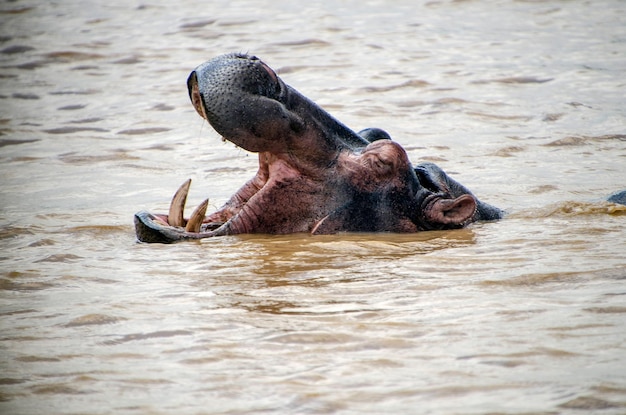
[
  {"x": 281, "y": 258},
  {"x": 310, "y": 275}
]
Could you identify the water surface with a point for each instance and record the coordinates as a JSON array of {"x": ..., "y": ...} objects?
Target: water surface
[{"x": 522, "y": 101}]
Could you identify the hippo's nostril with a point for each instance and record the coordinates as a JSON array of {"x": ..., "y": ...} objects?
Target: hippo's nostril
[
  {"x": 191, "y": 81},
  {"x": 270, "y": 72},
  {"x": 194, "y": 94}
]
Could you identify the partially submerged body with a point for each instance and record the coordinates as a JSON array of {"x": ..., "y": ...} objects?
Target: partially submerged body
[{"x": 315, "y": 174}]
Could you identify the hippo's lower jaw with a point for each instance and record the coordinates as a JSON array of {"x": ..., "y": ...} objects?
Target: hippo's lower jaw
[{"x": 153, "y": 228}]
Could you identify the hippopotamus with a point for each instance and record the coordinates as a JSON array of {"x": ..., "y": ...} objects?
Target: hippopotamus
[{"x": 315, "y": 174}]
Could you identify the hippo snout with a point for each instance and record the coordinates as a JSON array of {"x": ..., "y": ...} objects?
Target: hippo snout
[{"x": 245, "y": 102}]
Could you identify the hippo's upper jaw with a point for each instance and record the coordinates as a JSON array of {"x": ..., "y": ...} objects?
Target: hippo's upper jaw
[
  {"x": 241, "y": 98},
  {"x": 315, "y": 174},
  {"x": 248, "y": 104}
]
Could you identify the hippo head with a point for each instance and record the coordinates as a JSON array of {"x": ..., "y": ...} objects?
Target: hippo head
[{"x": 315, "y": 174}]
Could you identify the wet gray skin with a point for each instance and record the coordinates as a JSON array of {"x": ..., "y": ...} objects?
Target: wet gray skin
[
  {"x": 618, "y": 197},
  {"x": 315, "y": 174}
]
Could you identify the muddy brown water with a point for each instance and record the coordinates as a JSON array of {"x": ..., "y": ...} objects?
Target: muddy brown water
[{"x": 522, "y": 101}]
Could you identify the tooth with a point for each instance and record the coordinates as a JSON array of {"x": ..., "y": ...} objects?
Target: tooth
[
  {"x": 175, "y": 216},
  {"x": 195, "y": 221}
]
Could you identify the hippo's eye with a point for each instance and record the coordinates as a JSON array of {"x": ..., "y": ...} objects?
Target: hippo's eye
[{"x": 377, "y": 162}]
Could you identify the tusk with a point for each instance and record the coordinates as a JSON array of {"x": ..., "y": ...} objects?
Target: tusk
[
  {"x": 175, "y": 216},
  {"x": 195, "y": 221}
]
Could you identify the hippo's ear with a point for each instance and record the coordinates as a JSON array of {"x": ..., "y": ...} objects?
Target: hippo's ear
[{"x": 451, "y": 211}]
